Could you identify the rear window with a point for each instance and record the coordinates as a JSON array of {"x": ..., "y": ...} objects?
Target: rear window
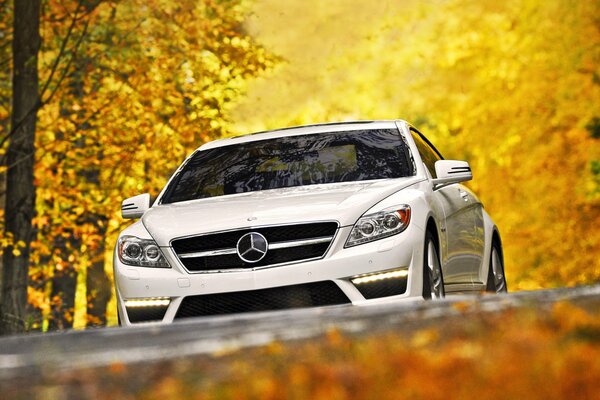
[{"x": 292, "y": 161}]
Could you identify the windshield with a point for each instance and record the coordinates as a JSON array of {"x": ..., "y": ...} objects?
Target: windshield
[{"x": 292, "y": 161}]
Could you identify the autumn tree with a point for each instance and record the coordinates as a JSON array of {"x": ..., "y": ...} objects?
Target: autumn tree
[
  {"x": 150, "y": 82},
  {"x": 20, "y": 190},
  {"x": 128, "y": 89},
  {"x": 6, "y": 14}
]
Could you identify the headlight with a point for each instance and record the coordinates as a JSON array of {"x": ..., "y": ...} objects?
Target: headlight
[
  {"x": 140, "y": 253},
  {"x": 388, "y": 222}
]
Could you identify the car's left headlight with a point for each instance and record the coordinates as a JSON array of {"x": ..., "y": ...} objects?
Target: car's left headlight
[
  {"x": 379, "y": 225},
  {"x": 140, "y": 252}
]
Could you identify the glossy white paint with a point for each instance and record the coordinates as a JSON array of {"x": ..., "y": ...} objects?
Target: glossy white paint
[
  {"x": 136, "y": 206},
  {"x": 451, "y": 171},
  {"x": 464, "y": 230},
  {"x": 342, "y": 202}
]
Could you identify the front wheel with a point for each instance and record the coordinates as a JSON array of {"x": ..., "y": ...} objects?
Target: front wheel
[
  {"x": 433, "y": 279},
  {"x": 496, "y": 281}
]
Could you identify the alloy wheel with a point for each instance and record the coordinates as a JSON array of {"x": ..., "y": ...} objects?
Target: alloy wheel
[
  {"x": 497, "y": 271},
  {"x": 433, "y": 280}
]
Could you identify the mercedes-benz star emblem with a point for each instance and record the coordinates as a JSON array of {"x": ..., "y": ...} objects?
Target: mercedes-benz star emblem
[{"x": 252, "y": 247}]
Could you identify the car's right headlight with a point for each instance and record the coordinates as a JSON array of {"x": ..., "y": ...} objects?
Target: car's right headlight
[
  {"x": 140, "y": 253},
  {"x": 379, "y": 225}
]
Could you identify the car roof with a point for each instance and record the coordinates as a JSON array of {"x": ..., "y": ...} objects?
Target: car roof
[{"x": 302, "y": 130}]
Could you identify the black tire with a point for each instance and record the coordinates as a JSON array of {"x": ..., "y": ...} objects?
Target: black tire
[
  {"x": 496, "y": 279},
  {"x": 433, "y": 277}
]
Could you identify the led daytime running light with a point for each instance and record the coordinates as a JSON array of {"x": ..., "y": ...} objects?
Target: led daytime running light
[
  {"x": 150, "y": 302},
  {"x": 401, "y": 273}
]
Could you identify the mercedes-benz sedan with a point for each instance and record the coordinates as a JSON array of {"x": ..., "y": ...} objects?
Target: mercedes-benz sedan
[{"x": 321, "y": 215}]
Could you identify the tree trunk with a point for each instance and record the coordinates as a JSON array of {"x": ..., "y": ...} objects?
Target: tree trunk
[
  {"x": 97, "y": 283},
  {"x": 6, "y": 12},
  {"x": 20, "y": 190}
]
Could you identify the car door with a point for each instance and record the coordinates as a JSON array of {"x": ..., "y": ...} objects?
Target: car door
[
  {"x": 461, "y": 249},
  {"x": 462, "y": 260},
  {"x": 473, "y": 256}
]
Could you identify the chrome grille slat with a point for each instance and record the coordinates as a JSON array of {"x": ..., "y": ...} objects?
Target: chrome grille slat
[
  {"x": 211, "y": 253},
  {"x": 296, "y": 243}
]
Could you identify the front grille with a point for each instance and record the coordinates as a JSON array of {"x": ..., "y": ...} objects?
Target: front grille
[
  {"x": 284, "y": 238},
  {"x": 315, "y": 294}
]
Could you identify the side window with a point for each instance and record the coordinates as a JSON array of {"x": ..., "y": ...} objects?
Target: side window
[{"x": 428, "y": 154}]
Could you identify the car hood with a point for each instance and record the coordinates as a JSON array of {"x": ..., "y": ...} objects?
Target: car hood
[{"x": 342, "y": 202}]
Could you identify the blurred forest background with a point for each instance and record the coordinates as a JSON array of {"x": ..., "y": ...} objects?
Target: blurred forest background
[{"x": 128, "y": 88}]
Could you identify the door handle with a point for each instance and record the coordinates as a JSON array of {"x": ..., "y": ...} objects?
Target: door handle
[{"x": 464, "y": 195}]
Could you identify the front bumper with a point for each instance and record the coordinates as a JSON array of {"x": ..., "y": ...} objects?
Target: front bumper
[{"x": 402, "y": 254}]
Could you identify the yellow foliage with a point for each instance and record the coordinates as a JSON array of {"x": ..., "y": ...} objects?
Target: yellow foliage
[
  {"x": 513, "y": 87},
  {"x": 424, "y": 337}
]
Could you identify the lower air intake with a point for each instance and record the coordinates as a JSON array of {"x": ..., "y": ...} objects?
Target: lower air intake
[
  {"x": 146, "y": 314},
  {"x": 383, "y": 288},
  {"x": 315, "y": 294}
]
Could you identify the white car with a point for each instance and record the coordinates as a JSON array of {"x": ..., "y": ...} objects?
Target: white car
[{"x": 320, "y": 215}]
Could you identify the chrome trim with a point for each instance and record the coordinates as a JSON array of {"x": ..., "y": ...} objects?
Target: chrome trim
[
  {"x": 290, "y": 262},
  {"x": 210, "y": 253},
  {"x": 302, "y": 242},
  {"x": 261, "y": 251},
  {"x": 222, "y": 271},
  {"x": 212, "y": 271}
]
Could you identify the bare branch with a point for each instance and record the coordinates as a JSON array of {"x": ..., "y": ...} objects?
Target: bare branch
[
  {"x": 15, "y": 128},
  {"x": 68, "y": 66},
  {"x": 46, "y": 147},
  {"x": 61, "y": 52},
  {"x": 40, "y": 103}
]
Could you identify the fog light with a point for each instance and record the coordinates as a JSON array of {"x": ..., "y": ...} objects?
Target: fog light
[
  {"x": 148, "y": 302},
  {"x": 378, "y": 276},
  {"x": 382, "y": 284}
]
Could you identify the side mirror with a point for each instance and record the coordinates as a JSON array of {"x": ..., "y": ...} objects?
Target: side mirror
[
  {"x": 451, "y": 171},
  {"x": 135, "y": 207}
]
